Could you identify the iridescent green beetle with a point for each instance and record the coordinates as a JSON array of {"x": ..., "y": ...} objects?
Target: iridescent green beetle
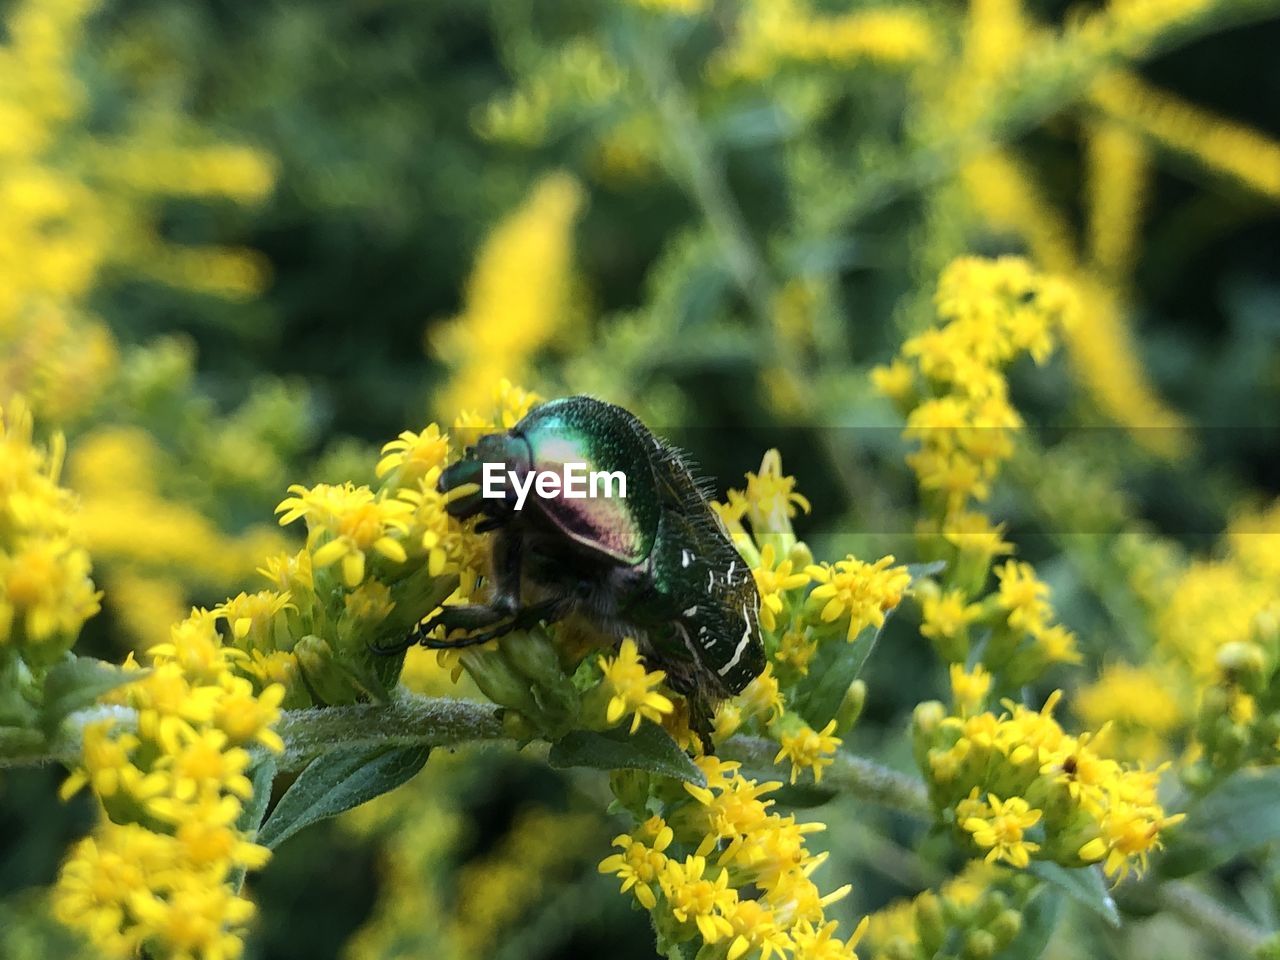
[{"x": 657, "y": 566}]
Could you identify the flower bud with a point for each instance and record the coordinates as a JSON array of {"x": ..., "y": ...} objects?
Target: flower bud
[
  {"x": 499, "y": 682},
  {"x": 533, "y": 656},
  {"x": 851, "y": 707},
  {"x": 931, "y": 925},
  {"x": 1242, "y": 663},
  {"x": 322, "y": 674},
  {"x": 1006, "y": 926},
  {"x": 979, "y": 945}
]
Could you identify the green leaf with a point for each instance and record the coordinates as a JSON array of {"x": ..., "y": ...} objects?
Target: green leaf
[
  {"x": 1039, "y": 917},
  {"x": 77, "y": 683},
  {"x": 1242, "y": 814},
  {"x": 919, "y": 571},
  {"x": 835, "y": 666},
  {"x": 1084, "y": 885},
  {"x": 337, "y": 781},
  {"x": 262, "y": 776},
  {"x": 803, "y": 796},
  {"x": 650, "y": 748},
  {"x": 838, "y": 664}
]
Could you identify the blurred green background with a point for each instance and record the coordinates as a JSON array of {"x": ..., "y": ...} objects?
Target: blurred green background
[{"x": 400, "y": 135}]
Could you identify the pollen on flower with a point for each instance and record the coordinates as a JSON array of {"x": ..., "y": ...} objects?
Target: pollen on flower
[{"x": 632, "y": 688}]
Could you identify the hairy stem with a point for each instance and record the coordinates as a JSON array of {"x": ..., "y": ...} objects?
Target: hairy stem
[
  {"x": 1199, "y": 910},
  {"x": 847, "y": 774}
]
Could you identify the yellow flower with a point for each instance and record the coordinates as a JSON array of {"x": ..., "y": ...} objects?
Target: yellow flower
[
  {"x": 640, "y": 864},
  {"x": 762, "y": 697},
  {"x": 1023, "y": 596},
  {"x": 254, "y": 617},
  {"x": 947, "y": 615},
  {"x": 632, "y": 688},
  {"x": 46, "y": 584},
  {"x": 102, "y": 877},
  {"x": 206, "y": 764},
  {"x": 518, "y": 297},
  {"x": 771, "y": 499},
  {"x": 414, "y": 453},
  {"x": 756, "y": 927},
  {"x": 807, "y": 749},
  {"x": 973, "y": 533},
  {"x": 1000, "y": 825},
  {"x": 969, "y": 690},
  {"x": 819, "y": 942},
  {"x": 797, "y": 649},
  {"x": 448, "y": 546},
  {"x": 694, "y": 898},
  {"x": 863, "y": 592},
  {"x": 772, "y": 582},
  {"x": 1056, "y": 643},
  {"x": 247, "y": 717},
  {"x": 897, "y": 380},
  {"x": 195, "y": 919},
  {"x": 352, "y": 521}
]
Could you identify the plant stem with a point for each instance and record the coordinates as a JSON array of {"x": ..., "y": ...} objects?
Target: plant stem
[
  {"x": 1201, "y": 911},
  {"x": 411, "y": 719},
  {"x": 847, "y": 774},
  {"x": 408, "y": 720}
]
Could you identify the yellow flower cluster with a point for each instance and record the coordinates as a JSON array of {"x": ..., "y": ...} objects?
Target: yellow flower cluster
[
  {"x": 1217, "y": 646},
  {"x": 160, "y": 872},
  {"x": 771, "y": 33},
  {"x": 78, "y": 200},
  {"x": 384, "y": 558},
  {"x": 1244, "y": 154},
  {"x": 805, "y": 608},
  {"x": 1021, "y": 788},
  {"x": 130, "y": 523},
  {"x": 950, "y": 382},
  {"x": 1102, "y": 347},
  {"x": 950, "y": 377},
  {"x": 856, "y": 594},
  {"x": 720, "y": 866},
  {"x": 45, "y": 590},
  {"x": 517, "y": 298},
  {"x": 1143, "y": 707}
]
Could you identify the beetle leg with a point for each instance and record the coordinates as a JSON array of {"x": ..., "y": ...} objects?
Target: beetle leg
[
  {"x": 474, "y": 616},
  {"x": 548, "y": 611}
]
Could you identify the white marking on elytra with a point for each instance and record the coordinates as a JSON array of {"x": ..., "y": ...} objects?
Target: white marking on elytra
[
  {"x": 688, "y": 642},
  {"x": 742, "y": 645},
  {"x": 733, "y": 565},
  {"x": 691, "y": 611},
  {"x": 711, "y": 580},
  {"x": 686, "y": 558}
]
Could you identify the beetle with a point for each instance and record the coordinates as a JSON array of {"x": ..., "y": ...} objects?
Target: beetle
[{"x": 658, "y": 565}]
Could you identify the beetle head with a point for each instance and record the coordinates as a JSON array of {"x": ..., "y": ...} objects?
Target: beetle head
[{"x": 465, "y": 478}]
